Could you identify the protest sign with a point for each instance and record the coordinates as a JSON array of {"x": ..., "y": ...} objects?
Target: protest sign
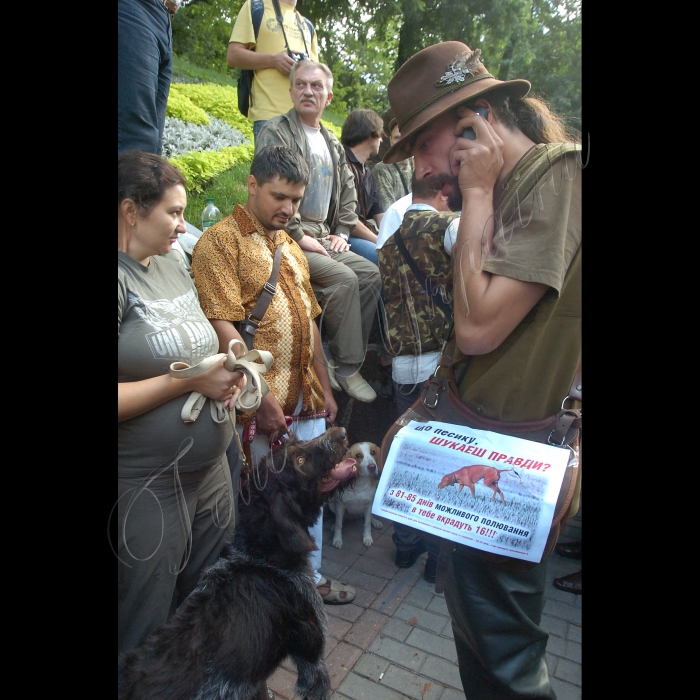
[{"x": 474, "y": 487}]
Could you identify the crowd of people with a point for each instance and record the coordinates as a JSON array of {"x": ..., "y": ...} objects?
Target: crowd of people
[{"x": 321, "y": 211}]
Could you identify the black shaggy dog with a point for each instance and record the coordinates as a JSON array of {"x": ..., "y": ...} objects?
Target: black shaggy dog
[{"x": 257, "y": 605}]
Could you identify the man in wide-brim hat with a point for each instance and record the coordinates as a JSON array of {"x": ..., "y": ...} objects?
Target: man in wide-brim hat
[{"x": 516, "y": 177}]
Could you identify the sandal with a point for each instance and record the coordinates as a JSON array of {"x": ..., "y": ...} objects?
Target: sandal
[{"x": 338, "y": 593}]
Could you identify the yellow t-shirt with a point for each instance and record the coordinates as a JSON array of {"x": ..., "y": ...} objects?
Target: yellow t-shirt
[{"x": 270, "y": 87}]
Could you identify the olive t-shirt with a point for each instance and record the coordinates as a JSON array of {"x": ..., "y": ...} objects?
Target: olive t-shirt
[
  {"x": 160, "y": 322},
  {"x": 530, "y": 373}
]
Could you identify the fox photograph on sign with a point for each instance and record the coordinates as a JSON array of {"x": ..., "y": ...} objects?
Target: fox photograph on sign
[{"x": 474, "y": 487}]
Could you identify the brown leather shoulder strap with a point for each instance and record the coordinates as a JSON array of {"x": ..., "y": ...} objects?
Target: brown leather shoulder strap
[{"x": 249, "y": 326}]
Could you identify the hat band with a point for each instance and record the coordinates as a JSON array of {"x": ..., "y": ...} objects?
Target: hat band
[{"x": 438, "y": 95}]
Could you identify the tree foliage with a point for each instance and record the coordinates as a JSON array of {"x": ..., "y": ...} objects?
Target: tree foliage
[{"x": 365, "y": 41}]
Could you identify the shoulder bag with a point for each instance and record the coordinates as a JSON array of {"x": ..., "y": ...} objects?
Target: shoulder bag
[{"x": 440, "y": 401}]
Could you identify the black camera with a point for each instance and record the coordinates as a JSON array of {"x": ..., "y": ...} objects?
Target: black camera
[
  {"x": 482, "y": 111},
  {"x": 298, "y": 56}
]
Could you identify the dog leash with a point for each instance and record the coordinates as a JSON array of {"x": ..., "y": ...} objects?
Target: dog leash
[{"x": 252, "y": 365}]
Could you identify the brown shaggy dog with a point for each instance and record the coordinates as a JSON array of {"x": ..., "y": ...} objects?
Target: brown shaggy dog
[{"x": 258, "y": 604}]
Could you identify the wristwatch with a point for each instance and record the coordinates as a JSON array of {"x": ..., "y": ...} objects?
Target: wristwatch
[{"x": 344, "y": 236}]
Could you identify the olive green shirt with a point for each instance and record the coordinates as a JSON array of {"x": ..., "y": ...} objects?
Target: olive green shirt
[{"x": 529, "y": 374}]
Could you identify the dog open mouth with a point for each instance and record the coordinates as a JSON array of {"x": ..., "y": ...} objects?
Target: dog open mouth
[{"x": 341, "y": 472}]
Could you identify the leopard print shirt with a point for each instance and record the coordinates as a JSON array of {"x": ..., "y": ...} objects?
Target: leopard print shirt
[{"x": 231, "y": 263}]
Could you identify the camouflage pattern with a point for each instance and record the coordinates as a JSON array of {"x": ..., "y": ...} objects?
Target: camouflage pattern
[
  {"x": 389, "y": 181},
  {"x": 415, "y": 324}
]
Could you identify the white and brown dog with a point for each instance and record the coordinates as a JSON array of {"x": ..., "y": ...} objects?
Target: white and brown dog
[{"x": 358, "y": 496}]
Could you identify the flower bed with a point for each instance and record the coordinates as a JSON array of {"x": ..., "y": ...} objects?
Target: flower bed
[{"x": 205, "y": 134}]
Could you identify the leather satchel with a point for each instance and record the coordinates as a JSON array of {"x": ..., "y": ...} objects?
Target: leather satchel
[{"x": 440, "y": 401}]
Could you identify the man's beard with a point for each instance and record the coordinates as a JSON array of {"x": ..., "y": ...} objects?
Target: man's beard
[{"x": 454, "y": 194}]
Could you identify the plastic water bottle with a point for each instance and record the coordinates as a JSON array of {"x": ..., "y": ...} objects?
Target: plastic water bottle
[{"x": 210, "y": 214}]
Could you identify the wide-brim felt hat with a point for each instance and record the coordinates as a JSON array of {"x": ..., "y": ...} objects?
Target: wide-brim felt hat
[{"x": 435, "y": 80}]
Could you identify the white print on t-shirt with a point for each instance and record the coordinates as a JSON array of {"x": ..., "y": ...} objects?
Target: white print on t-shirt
[{"x": 181, "y": 334}]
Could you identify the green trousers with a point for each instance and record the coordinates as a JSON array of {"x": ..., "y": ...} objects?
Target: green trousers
[
  {"x": 496, "y": 617},
  {"x": 166, "y": 535}
]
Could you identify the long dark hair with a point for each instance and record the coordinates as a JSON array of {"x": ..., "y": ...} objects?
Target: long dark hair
[
  {"x": 532, "y": 116},
  {"x": 145, "y": 178}
]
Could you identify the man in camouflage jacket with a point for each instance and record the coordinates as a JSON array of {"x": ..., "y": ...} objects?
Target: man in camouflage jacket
[{"x": 417, "y": 326}]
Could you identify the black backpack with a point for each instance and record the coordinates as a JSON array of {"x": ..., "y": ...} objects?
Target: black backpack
[{"x": 245, "y": 81}]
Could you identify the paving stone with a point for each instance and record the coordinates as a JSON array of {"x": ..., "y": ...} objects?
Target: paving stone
[
  {"x": 447, "y": 630},
  {"x": 349, "y": 611},
  {"x": 573, "y": 633},
  {"x": 569, "y": 613},
  {"x": 433, "y": 644},
  {"x": 338, "y": 627},
  {"x": 568, "y": 671},
  {"x": 340, "y": 662},
  {"x": 438, "y": 605},
  {"x": 554, "y": 625},
  {"x": 452, "y": 694},
  {"x": 573, "y": 651},
  {"x": 362, "y": 579},
  {"x": 282, "y": 683},
  {"x": 442, "y": 672},
  {"x": 384, "y": 569},
  {"x": 556, "y": 645},
  {"x": 551, "y": 663},
  {"x": 419, "y": 597},
  {"x": 358, "y": 688},
  {"x": 397, "y": 629},
  {"x": 366, "y": 628},
  {"x": 336, "y": 556},
  {"x": 371, "y": 666},
  {"x": 333, "y": 569},
  {"x": 397, "y": 652},
  {"x": 420, "y": 618},
  {"x": 392, "y": 595},
  {"x": 411, "y": 684},
  {"x": 566, "y": 691}
]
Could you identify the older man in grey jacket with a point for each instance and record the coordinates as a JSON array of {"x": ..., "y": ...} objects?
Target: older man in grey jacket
[{"x": 347, "y": 285}]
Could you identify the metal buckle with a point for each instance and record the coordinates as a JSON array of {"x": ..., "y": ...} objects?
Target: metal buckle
[{"x": 270, "y": 288}]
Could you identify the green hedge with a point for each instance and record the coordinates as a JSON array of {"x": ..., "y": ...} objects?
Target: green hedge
[
  {"x": 182, "y": 107},
  {"x": 193, "y": 102}
]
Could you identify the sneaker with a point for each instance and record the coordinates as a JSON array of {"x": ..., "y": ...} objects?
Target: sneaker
[{"x": 357, "y": 387}]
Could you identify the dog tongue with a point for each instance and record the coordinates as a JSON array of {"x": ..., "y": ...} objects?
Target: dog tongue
[{"x": 342, "y": 471}]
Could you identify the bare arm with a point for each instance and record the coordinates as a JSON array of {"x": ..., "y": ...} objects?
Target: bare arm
[
  {"x": 242, "y": 56},
  {"x": 322, "y": 374},
  {"x": 488, "y": 307},
  {"x": 136, "y": 398},
  {"x": 363, "y": 231}
]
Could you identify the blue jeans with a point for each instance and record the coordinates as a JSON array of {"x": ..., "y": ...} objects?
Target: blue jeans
[
  {"x": 144, "y": 69},
  {"x": 257, "y": 125},
  {"x": 366, "y": 249}
]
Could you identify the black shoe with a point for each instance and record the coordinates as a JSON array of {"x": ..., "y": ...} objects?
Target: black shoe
[
  {"x": 430, "y": 570},
  {"x": 569, "y": 549},
  {"x": 407, "y": 558},
  {"x": 570, "y": 583}
]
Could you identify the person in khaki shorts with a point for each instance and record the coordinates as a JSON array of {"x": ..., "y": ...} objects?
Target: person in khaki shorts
[{"x": 347, "y": 285}]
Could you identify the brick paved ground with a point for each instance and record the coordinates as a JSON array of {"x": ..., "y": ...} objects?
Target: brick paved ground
[
  {"x": 397, "y": 627},
  {"x": 395, "y": 640}
]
